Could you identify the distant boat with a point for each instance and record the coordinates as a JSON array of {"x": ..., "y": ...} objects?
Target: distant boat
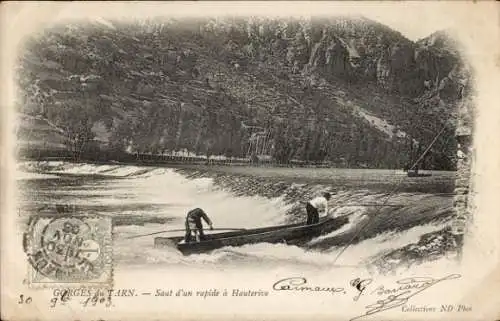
[
  {"x": 415, "y": 173},
  {"x": 295, "y": 234},
  {"x": 413, "y": 170}
]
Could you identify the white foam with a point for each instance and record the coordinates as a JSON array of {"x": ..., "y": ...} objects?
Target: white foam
[
  {"x": 177, "y": 195},
  {"x": 21, "y": 175}
]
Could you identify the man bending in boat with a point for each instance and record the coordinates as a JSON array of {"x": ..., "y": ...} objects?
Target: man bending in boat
[
  {"x": 317, "y": 203},
  {"x": 194, "y": 225}
]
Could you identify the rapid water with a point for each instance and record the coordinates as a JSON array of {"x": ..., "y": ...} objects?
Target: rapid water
[{"x": 150, "y": 199}]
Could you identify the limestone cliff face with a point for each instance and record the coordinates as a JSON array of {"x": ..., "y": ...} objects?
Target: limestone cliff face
[
  {"x": 384, "y": 70},
  {"x": 332, "y": 57},
  {"x": 440, "y": 65},
  {"x": 208, "y": 86},
  {"x": 366, "y": 51}
]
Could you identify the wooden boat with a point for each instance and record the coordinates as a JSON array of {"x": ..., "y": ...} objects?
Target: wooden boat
[
  {"x": 417, "y": 174},
  {"x": 294, "y": 234}
]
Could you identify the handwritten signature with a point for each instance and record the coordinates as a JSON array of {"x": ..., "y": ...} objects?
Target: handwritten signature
[
  {"x": 394, "y": 297},
  {"x": 299, "y": 284},
  {"x": 400, "y": 295},
  {"x": 360, "y": 285}
]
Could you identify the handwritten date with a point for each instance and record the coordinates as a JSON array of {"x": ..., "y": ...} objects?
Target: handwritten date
[{"x": 90, "y": 300}]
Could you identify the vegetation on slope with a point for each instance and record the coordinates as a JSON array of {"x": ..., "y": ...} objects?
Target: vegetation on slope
[{"x": 346, "y": 89}]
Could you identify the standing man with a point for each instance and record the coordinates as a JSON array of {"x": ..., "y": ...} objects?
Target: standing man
[
  {"x": 317, "y": 203},
  {"x": 194, "y": 225}
]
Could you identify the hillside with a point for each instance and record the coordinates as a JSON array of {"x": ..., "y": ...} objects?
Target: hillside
[
  {"x": 346, "y": 90},
  {"x": 38, "y": 134}
]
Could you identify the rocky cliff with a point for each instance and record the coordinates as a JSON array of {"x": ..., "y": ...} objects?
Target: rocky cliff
[{"x": 345, "y": 88}]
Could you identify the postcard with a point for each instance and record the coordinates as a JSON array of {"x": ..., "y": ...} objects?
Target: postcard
[{"x": 250, "y": 161}]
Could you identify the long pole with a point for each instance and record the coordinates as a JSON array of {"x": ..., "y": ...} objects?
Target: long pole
[
  {"x": 182, "y": 230},
  {"x": 365, "y": 204},
  {"x": 387, "y": 198}
]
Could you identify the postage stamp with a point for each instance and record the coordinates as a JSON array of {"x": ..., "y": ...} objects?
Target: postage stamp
[{"x": 69, "y": 250}]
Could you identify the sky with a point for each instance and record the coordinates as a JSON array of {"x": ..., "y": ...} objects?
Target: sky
[
  {"x": 413, "y": 26},
  {"x": 414, "y": 19}
]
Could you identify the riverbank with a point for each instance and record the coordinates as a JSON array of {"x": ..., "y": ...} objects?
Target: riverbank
[{"x": 430, "y": 247}]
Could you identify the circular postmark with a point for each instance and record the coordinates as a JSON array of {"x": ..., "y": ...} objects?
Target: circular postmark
[{"x": 67, "y": 249}]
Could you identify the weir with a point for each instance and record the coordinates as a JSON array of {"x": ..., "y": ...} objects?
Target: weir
[{"x": 264, "y": 201}]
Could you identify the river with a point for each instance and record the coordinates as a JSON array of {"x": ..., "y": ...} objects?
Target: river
[{"x": 144, "y": 200}]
